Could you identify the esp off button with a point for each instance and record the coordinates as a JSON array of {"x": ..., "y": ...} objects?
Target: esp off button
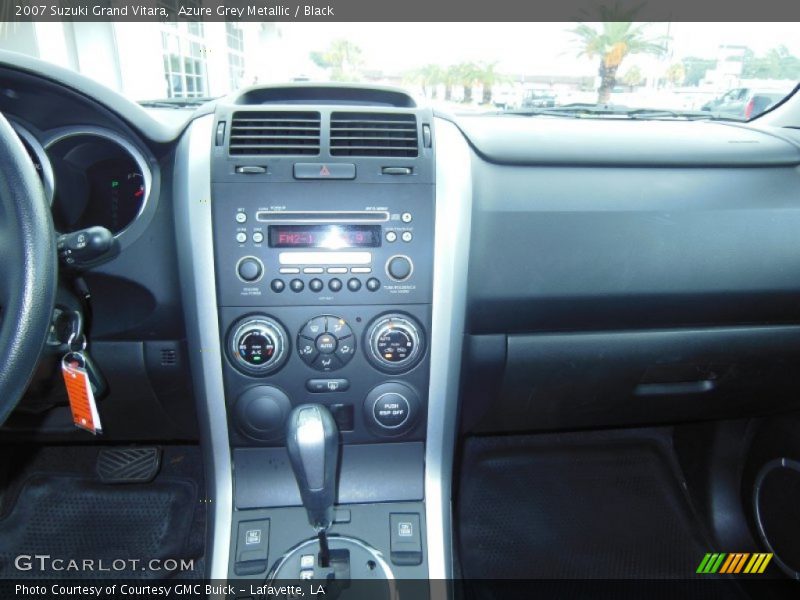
[{"x": 391, "y": 410}]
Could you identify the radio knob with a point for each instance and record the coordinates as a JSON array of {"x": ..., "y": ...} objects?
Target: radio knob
[
  {"x": 395, "y": 343},
  {"x": 257, "y": 345},
  {"x": 399, "y": 268},
  {"x": 250, "y": 269}
]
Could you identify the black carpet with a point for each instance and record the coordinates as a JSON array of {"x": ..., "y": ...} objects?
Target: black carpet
[
  {"x": 587, "y": 505},
  {"x": 68, "y": 513}
]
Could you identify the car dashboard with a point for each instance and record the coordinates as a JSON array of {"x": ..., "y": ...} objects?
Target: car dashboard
[{"x": 422, "y": 275}]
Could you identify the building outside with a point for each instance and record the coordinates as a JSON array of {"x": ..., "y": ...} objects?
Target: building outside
[{"x": 170, "y": 60}]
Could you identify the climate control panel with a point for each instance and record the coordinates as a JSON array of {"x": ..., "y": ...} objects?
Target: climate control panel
[
  {"x": 369, "y": 365},
  {"x": 326, "y": 343}
]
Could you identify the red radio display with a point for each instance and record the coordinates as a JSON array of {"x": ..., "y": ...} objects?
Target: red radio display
[{"x": 330, "y": 237}]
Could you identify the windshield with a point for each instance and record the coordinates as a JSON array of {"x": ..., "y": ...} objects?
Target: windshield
[{"x": 724, "y": 70}]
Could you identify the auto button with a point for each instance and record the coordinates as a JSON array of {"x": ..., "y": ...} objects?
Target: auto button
[{"x": 326, "y": 343}]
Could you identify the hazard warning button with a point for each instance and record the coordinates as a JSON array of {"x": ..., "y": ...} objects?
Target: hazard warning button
[{"x": 324, "y": 171}]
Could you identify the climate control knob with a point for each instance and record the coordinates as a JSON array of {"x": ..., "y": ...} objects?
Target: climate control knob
[
  {"x": 257, "y": 345},
  {"x": 395, "y": 343}
]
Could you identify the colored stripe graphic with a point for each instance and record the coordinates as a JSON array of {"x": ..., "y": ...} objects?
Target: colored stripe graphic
[
  {"x": 734, "y": 563},
  {"x": 711, "y": 563},
  {"x": 729, "y": 562},
  {"x": 767, "y": 558}
]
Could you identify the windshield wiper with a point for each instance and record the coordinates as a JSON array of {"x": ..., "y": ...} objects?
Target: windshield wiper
[
  {"x": 580, "y": 110},
  {"x": 176, "y": 103}
]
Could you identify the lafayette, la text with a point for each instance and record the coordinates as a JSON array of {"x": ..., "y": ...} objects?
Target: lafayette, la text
[{"x": 147, "y": 590}]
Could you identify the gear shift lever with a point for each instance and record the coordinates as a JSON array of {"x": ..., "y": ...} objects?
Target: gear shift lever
[{"x": 312, "y": 441}]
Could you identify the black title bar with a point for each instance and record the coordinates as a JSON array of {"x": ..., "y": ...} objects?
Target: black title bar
[{"x": 399, "y": 10}]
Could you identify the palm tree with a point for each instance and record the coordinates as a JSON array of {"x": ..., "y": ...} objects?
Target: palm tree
[
  {"x": 612, "y": 43},
  {"x": 633, "y": 77},
  {"x": 489, "y": 77},
  {"x": 467, "y": 74},
  {"x": 344, "y": 59},
  {"x": 450, "y": 77},
  {"x": 676, "y": 74},
  {"x": 429, "y": 77}
]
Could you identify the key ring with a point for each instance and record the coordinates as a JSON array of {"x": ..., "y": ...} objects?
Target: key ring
[{"x": 76, "y": 335}]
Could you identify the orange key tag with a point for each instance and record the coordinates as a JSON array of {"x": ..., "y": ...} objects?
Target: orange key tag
[{"x": 79, "y": 391}]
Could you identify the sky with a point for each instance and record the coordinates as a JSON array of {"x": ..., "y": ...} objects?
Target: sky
[{"x": 542, "y": 48}]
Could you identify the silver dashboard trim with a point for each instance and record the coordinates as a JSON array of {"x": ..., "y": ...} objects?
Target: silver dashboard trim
[
  {"x": 451, "y": 257},
  {"x": 196, "y": 266}
]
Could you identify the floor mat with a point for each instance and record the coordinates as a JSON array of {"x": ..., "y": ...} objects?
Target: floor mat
[
  {"x": 77, "y": 516},
  {"x": 586, "y": 505}
]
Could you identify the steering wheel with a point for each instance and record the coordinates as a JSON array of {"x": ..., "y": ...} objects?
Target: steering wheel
[{"x": 28, "y": 269}]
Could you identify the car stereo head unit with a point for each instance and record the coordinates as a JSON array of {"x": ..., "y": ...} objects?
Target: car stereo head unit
[{"x": 295, "y": 250}]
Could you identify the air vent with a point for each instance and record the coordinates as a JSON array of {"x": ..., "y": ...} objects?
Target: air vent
[
  {"x": 373, "y": 134},
  {"x": 274, "y": 132},
  {"x": 168, "y": 357}
]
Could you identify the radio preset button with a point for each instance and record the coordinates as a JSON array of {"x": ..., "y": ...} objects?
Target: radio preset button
[
  {"x": 391, "y": 236},
  {"x": 249, "y": 269},
  {"x": 289, "y": 270},
  {"x": 326, "y": 343},
  {"x": 335, "y": 284},
  {"x": 313, "y": 270},
  {"x": 277, "y": 285},
  {"x": 373, "y": 285},
  {"x": 407, "y": 236},
  {"x": 258, "y": 237},
  {"x": 353, "y": 284},
  {"x": 337, "y": 270},
  {"x": 241, "y": 217},
  {"x": 296, "y": 285},
  {"x": 315, "y": 285},
  {"x": 406, "y": 217}
]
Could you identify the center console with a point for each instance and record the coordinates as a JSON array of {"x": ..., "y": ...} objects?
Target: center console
[{"x": 323, "y": 220}]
